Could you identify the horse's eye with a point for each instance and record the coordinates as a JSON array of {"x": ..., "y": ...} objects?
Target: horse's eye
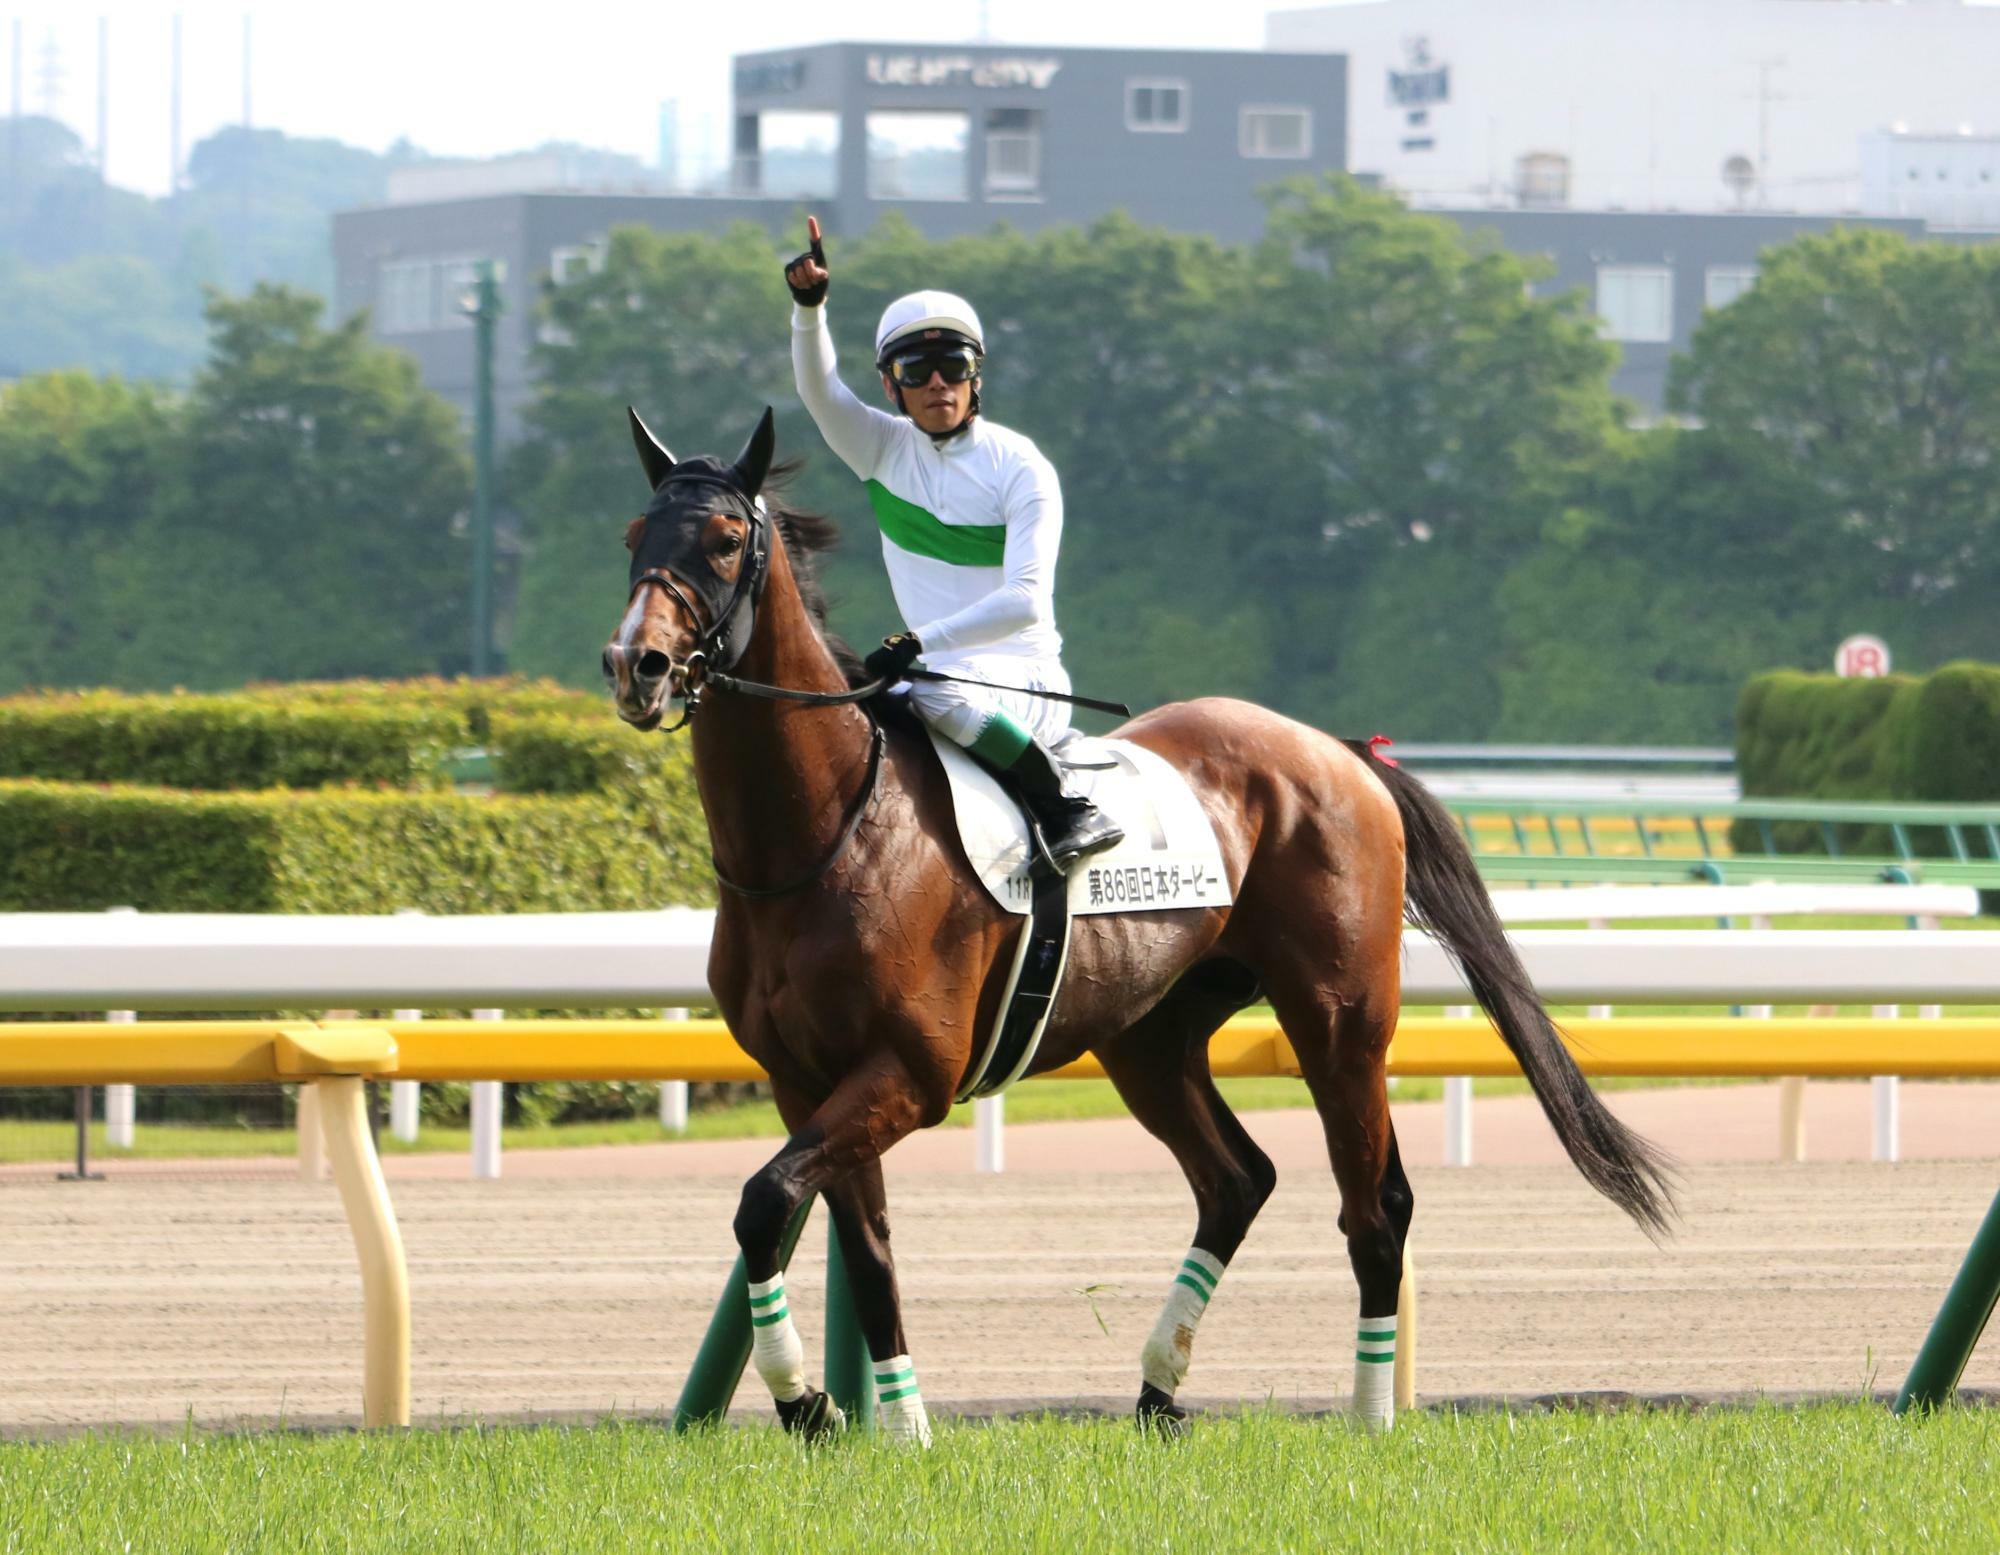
[{"x": 730, "y": 545}]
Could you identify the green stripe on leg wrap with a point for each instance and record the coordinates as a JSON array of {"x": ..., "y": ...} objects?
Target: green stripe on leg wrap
[
  {"x": 890, "y": 1395},
  {"x": 1377, "y": 1333},
  {"x": 1189, "y": 1266},
  {"x": 1375, "y": 1360},
  {"x": 888, "y": 1379},
  {"x": 1193, "y": 1285},
  {"x": 768, "y": 1297},
  {"x": 766, "y": 1319}
]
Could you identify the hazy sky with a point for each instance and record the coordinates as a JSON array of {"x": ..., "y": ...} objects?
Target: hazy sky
[{"x": 472, "y": 81}]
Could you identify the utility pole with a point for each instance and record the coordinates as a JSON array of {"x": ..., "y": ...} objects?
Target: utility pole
[
  {"x": 1764, "y": 100},
  {"x": 485, "y": 313}
]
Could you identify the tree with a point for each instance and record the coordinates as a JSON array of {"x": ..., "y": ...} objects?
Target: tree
[
  {"x": 314, "y": 531},
  {"x": 83, "y": 462},
  {"x": 1865, "y": 368}
]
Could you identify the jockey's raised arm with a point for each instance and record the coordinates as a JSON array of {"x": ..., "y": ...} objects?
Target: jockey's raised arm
[{"x": 971, "y": 521}]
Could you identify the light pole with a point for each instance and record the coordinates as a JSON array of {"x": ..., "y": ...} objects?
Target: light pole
[{"x": 485, "y": 313}]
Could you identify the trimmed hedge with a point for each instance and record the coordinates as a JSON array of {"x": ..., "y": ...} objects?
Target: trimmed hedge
[
  {"x": 222, "y": 742},
  {"x": 1933, "y": 738},
  {"x": 474, "y": 702},
  {"x": 545, "y": 754},
  {"x": 65, "y": 847}
]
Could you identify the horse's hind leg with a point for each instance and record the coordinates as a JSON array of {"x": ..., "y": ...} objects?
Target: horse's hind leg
[
  {"x": 860, "y": 1208},
  {"x": 1160, "y": 1066},
  {"x": 1342, "y": 1051}
]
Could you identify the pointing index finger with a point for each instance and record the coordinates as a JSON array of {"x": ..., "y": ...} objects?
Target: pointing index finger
[{"x": 812, "y": 232}]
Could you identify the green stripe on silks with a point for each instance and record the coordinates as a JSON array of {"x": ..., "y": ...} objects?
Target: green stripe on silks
[
  {"x": 1193, "y": 1285},
  {"x": 765, "y": 1320},
  {"x": 923, "y": 533},
  {"x": 1207, "y": 1279},
  {"x": 1375, "y": 1360}
]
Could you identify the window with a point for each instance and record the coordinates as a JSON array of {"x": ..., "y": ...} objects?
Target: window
[
  {"x": 798, "y": 154},
  {"x": 1636, "y": 302},
  {"x": 1013, "y": 152},
  {"x": 1725, "y": 283},
  {"x": 405, "y": 297},
  {"x": 456, "y": 280},
  {"x": 1156, "y": 105},
  {"x": 1275, "y": 132},
  {"x": 573, "y": 261},
  {"x": 917, "y": 156}
]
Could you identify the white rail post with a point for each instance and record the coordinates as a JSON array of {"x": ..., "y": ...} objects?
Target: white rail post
[
  {"x": 1791, "y": 1087},
  {"x": 674, "y": 1093},
  {"x": 989, "y": 1123},
  {"x": 120, "y": 1101},
  {"x": 488, "y": 1097},
  {"x": 406, "y": 1097},
  {"x": 1601, "y": 1011},
  {"x": 1888, "y": 1140},
  {"x": 1458, "y": 1105}
]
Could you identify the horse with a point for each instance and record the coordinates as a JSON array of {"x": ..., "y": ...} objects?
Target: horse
[{"x": 858, "y": 959}]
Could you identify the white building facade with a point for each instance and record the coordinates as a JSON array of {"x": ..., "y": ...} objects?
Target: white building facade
[{"x": 1687, "y": 105}]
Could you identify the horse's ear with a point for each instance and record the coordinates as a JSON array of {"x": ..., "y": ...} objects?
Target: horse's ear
[
  {"x": 754, "y": 463},
  {"x": 652, "y": 452}
]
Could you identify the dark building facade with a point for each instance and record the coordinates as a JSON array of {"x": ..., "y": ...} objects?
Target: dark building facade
[
  {"x": 956, "y": 139},
  {"x": 1650, "y": 275}
]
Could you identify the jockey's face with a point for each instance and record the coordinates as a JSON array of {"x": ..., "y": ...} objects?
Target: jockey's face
[{"x": 937, "y": 407}]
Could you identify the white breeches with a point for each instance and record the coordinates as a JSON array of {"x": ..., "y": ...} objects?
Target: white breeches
[{"x": 961, "y": 713}]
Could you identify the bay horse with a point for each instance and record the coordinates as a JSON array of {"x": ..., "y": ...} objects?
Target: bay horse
[{"x": 859, "y": 960}]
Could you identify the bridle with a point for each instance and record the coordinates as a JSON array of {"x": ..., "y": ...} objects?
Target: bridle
[{"x": 725, "y": 641}]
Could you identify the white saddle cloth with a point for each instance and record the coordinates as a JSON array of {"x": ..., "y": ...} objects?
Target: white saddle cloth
[{"x": 1169, "y": 858}]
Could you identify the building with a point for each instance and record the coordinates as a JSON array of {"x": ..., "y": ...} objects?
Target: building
[
  {"x": 1695, "y": 105},
  {"x": 1651, "y": 274},
  {"x": 954, "y": 138}
]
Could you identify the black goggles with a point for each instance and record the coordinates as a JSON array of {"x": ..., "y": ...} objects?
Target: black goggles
[{"x": 955, "y": 364}]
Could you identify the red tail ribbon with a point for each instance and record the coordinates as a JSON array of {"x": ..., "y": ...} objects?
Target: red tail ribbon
[{"x": 1384, "y": 741}]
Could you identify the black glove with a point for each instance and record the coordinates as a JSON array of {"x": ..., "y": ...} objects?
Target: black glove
[
  {"x": 809, "y": 296},
  {"x": 893, "y": 658}
]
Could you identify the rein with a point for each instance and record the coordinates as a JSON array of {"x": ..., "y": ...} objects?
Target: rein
[{"x": 848, "y": 828}]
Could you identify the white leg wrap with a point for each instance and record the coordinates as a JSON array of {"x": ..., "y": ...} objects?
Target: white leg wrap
[
  {"x": 1164, "y": 1360},
  {"x": 1375, "y": 1372},
  {"x": 774, "y": 1342},
  {"x": 902, "y": 1406}
]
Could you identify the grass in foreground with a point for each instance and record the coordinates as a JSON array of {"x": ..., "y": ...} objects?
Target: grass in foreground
[{"x": 1829, "y": 1478}]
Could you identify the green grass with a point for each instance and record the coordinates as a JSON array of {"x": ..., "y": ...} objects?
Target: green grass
[{"x": 1828, "y": 1478}]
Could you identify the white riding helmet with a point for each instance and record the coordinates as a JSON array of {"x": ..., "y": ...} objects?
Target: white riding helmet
[{"x": 926, "y": 315}]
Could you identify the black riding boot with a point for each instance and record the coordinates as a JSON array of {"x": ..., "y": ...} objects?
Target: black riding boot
[{"x": 1071, "y": 826}]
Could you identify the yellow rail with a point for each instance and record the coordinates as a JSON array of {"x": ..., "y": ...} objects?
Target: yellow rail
[{"x": 226, "y": 1052}]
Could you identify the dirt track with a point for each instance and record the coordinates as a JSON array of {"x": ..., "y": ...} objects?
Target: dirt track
[{"x": 138, "y": 1300}]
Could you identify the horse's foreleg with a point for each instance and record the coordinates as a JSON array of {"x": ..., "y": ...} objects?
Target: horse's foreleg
[
  {"x": 860, "y": 1209},
  {"x": 1160, "y": 1067},
  {"x": 846, "y": 1133}
]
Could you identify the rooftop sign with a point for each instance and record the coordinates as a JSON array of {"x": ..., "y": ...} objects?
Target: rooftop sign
[{"x": 959, "y": 70}]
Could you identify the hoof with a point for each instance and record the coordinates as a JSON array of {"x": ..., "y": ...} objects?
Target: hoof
[
  {"x": 813, "y": 1416},
  {"x": 1159, "y": 1414}
]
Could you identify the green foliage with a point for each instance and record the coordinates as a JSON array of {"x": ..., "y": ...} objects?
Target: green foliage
[
  {"x": 222, "y": 742},
  {"x": 547, "y": 754},
  {"x": 474, "y": 702},
  {"x": 71, "y": 848},
  {"x": 1863, "y": 367},
  {"x": 1953, "y": 745},
  {"x": 291, "y": 517}
]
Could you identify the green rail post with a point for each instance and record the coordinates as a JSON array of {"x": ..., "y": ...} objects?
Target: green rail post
[
  {"x": 1960, "y": 1321},
  {"x": 725, "y": 1348},
  {"x": 850, "y": 1372}
]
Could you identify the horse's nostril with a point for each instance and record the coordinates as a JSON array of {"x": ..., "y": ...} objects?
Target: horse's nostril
[
  {"x": 653, "y": 665},
  {"x": 610, "y": 671}
]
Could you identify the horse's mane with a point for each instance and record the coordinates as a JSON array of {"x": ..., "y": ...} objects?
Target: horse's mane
[{"x": 808, "y": 536}]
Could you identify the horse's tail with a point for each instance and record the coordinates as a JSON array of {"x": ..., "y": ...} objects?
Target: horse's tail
[{"x": 1445, "y": 896}]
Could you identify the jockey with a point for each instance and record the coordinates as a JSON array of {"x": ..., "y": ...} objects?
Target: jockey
[{"x": 971, "y": 516}]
